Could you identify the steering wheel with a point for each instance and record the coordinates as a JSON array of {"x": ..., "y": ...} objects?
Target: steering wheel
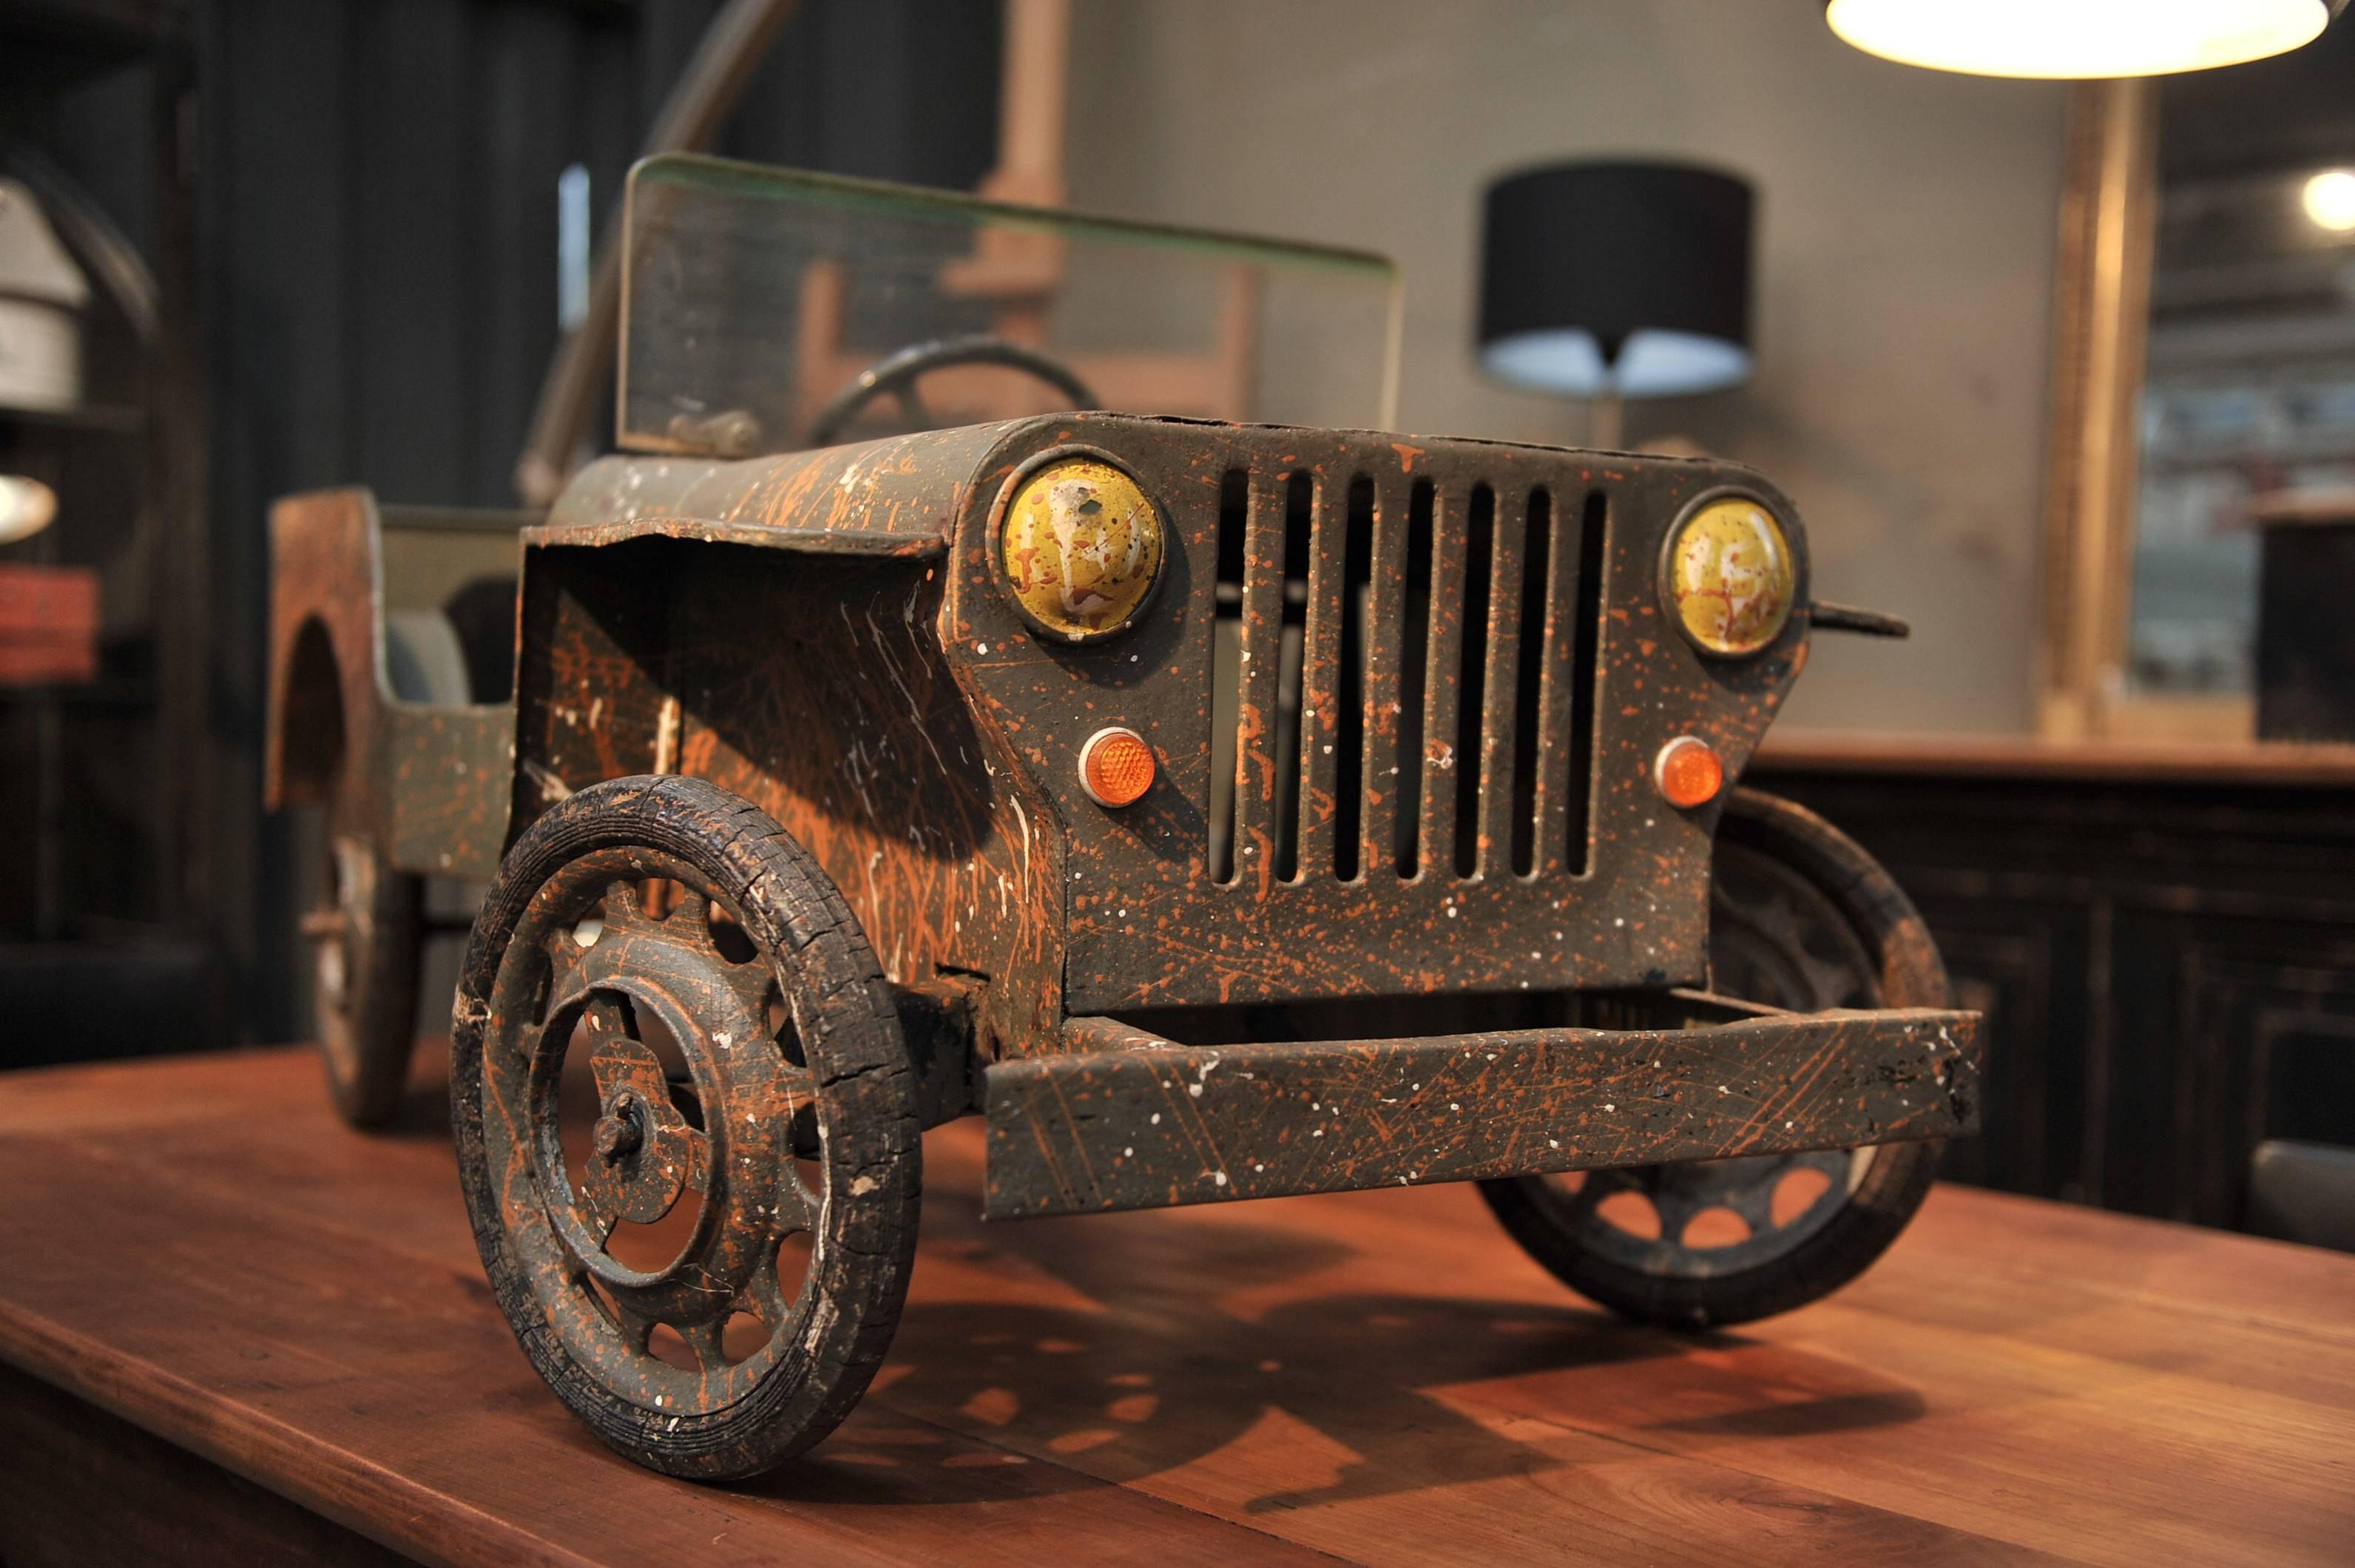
[{"x": 896, "y": 374}]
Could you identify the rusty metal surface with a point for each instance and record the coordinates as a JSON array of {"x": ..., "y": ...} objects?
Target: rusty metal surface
[
  {"x": 323, "y": 594},
  {"x": 651, "y": 1147},
  {"x": 444, "y": 778},
  {"x": 825, "y": 692},
  {"x": 898, "y": 495},
  {"x": 1405, "y": 698},
  {"x": 814, "y": 687},
  {"x": 1132, "y": 1122},
  {"x": 427, "y": 787},
  {"x": 1148, "y": 923}
]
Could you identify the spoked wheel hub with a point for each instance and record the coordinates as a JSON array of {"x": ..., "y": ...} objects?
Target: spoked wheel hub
[
  {"x": 688, "y": 1139},
  {"x": 668, "y": 1204}
]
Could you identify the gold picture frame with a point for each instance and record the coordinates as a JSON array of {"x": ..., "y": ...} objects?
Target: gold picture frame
[{"x": 2101, "y": 313}]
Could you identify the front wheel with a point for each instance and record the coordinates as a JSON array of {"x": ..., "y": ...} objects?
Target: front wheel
[
  {"x": 686, "y": 1126},
  {"x": 1800, "y": 918}
]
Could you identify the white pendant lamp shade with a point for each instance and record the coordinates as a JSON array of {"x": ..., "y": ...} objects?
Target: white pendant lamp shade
[{"x": 2071, "y": 38}]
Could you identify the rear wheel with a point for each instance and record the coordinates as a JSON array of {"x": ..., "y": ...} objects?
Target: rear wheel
[
  {"x": 686, "y": 1127},
  {"x": 364, "y": 950},
  {"x": 1800, "y": 918},
  {"x": 367, "y": 934}
]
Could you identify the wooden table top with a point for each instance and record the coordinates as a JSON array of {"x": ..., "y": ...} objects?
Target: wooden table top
[
  {"x": 197, "y": 1245},
  {"x": 2275, "y": 764}
]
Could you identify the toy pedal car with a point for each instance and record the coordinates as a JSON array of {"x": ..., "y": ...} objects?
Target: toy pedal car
[{"x": 1218, "y": 810}]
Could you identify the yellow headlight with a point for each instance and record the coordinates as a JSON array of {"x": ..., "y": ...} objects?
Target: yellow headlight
[
  {"x": 1081, "y": 548},
  {"x": 1729, "y": 577}
]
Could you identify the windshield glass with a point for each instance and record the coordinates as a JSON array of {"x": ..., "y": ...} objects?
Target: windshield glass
[{"x": 755, "y": 301}]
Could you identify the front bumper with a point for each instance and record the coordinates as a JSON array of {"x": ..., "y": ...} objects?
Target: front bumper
[{"x": 1125, "y": 1119}]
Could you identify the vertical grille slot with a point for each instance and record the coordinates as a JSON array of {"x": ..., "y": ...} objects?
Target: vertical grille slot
[
  {"x": 1469, "y": 757},
  {"x": 1532, "y": 670},
  {"x": 1324, "y": 625},
  {"x": 1560, "y": 772},
  {"x": 1387, "y": 625},
  {"x": 1413, "y": 669},
  {"x": 1226, "y": 674},
  {"x": 1286, "y": 741},
  {"x": 1488, "y": 848},
  {"x": 1405, "y": 678},
  {"x": 1256, "y": 785},
  {"x": 1585, "y": 685},
  {"x": 1350, "y": 735},
  {"x": 1444, "y": 673}
]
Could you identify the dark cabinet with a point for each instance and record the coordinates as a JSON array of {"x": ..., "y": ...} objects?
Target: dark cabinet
[{"x": 2165, "y": 947}]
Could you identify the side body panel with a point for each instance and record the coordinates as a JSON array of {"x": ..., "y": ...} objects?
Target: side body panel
[
  {"x": 771, "y": 626},
  {"x": 428, "y": 787}
]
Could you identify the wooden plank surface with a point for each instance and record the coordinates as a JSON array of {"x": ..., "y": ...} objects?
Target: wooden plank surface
[
  {"x": 2289, "y": 765},
  {"x": 198, "y": 1248}
]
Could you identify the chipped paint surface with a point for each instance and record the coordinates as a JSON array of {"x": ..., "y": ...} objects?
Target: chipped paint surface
[
  {"x": 1130, "y": 1121},
  {"x": 1147, "y": 925},
  {"x": 832, "y": 636},
  {"x": 816, "y": 687},
  {"x": 899, "y": 716},
  {"x": 426, "y": 788},
  {"x": 896, "y": 496}
]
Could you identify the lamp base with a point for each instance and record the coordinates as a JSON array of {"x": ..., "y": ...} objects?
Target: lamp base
[{"x": 1606, "y": 423}]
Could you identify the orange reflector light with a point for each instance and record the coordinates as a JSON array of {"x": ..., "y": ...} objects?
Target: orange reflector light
[
  {"x": 1689, "y": 773},
  {"x": 1116, "y": 767}
]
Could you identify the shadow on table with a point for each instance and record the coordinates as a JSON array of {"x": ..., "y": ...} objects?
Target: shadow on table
[{"x": 1328, "y": 1397}]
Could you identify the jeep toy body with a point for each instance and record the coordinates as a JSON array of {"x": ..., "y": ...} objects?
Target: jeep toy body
[{"x": 1218, "y": 810}]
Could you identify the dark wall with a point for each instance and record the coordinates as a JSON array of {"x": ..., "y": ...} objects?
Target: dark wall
[
  {"x": 377, "y": 191},
  {"x": 381, "y": 181}
]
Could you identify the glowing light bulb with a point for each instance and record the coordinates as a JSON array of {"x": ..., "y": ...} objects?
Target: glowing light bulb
[
  {"x": 2067, "y": 38},
  {"x": 27, "y": 506},
  {"x": 2330, "y": 199}
]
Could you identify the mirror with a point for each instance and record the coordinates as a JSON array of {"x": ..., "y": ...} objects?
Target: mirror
[{"x": 2204, "y": 368}]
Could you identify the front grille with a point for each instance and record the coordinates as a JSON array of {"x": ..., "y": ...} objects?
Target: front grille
[{"x": 1404, "y": 680}]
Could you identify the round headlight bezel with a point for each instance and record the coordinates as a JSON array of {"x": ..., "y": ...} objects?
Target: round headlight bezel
[
  {"x": 1793, "y": 570},
  {"x": 1005, "y": 514}
]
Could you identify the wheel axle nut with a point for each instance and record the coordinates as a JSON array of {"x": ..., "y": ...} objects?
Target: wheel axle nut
[{"x": 618, "y": 1133}]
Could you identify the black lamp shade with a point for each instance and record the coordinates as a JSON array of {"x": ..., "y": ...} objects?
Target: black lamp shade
[{"x": 1626, "y": 278}]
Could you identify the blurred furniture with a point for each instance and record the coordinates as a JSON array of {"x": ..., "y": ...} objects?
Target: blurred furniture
[
  {"x": 1616, "y": 279},
  {"x": 105, "y": 634},
  {"x": 1372, "y": 1377},
  {"x": 42, "y": 294},
  {"x": 48, "y": 624},
  {"x": 2306, "y": 633},
  {"x": 2163, "y": 938},
  {"x": 2203, "y": 354},
  {"x": 2304, "y": 1192}
]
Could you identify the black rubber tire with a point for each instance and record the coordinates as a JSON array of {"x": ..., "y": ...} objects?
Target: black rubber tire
[
  {"x": 1880, "y": 917},
  {"x": 851, "y": 1035},
  {"x": 368, "y": 1027}
]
